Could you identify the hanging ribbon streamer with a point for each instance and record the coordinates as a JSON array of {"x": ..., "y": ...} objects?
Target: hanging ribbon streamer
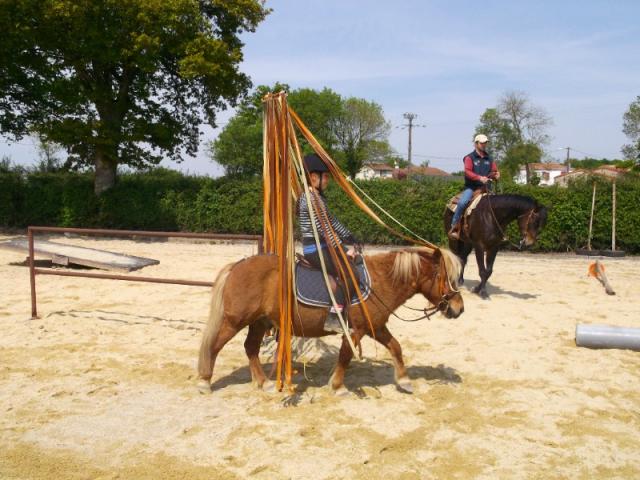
[{"x": 284, "y": 180}]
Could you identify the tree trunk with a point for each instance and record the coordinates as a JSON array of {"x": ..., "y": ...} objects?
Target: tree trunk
[{"x": 105, "y": 177}]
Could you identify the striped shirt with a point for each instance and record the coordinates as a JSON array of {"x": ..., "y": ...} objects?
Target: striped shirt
[{"x": 323, "y": 219}]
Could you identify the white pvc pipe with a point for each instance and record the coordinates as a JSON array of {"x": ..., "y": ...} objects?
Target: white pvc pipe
[{"x": 605, "y": 336}]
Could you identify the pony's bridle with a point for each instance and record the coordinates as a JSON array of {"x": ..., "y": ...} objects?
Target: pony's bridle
[{"x": 428, "y": 312}]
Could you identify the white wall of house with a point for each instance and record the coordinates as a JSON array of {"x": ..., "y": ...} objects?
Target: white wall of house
[
  {"x": 368, "y": 173},
  {"x": 547, "y": 176}
]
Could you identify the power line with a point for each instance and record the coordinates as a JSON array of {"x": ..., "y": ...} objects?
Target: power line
[{"x": 435, "y": 156}]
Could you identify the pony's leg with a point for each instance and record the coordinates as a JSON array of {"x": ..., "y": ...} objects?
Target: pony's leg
[
  {"x": 337, "y": 378},
  {"x": 482, "y": 270},
  {"x": 226, "y": 333},
  {"x": 383, "y": 335},
  {"x": 252, "y": 347}
]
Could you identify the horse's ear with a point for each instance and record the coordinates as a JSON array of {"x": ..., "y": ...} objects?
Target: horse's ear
[{"x": 540, "y": 207}]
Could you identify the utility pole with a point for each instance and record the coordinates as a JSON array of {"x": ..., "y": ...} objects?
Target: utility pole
[
  {"x": 410, "y": 117},
  {"x": 568, "y": 162}
]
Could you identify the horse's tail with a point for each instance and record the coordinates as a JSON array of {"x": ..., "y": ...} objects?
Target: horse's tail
[
  {"x": 216, "y": 315},
  {"x": 453, "y": 265}
]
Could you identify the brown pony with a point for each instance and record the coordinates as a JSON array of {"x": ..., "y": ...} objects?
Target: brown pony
[{"x": 245, "y": 294}]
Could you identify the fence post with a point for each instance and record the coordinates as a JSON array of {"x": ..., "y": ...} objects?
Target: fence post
[{"x": 32, "y": 275}]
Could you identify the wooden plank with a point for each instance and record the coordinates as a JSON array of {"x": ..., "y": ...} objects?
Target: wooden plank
[{"x": 60, "y": 253}]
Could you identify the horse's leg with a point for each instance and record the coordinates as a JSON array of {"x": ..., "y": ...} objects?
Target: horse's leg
[
  {"x": 465, "y": 250},
  {"x": 480, "y": 288},
  {"x": 337, "y": 378},
  {"x": 383, "y": 335},
  {"x": 491, "y": 258},
  {"x": 252, "y": 347},
  {"x": 226, "y": 333}
]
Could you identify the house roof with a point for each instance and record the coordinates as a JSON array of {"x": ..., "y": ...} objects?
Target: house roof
[
  {"x": 545, "y": 166},
  {"x": 378, "y": 166},
  {"x": 603, "y": 171},
  {"x": 426, "y": 171}
]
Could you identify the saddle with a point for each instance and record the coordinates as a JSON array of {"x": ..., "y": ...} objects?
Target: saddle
[
  {"x": 452, "y": 204},
  {"x": 312, "y": 290}
]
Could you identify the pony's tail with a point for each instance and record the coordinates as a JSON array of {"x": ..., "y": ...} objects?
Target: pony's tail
[
  {"x": 210, "y": 334},
  {"x": 453, "y": 265}
]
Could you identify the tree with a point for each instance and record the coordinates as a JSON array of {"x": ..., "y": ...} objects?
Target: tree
[
  {"x": 631, "y": 128},
  {"x": 351, "y": 130},
  {"x": 512, "y": 122},
  {"x": 120, "y": 82},
  {"x": 238, "y": 148},
  {"x": 48, "y": 155},
  {"x": 358, "y": 128},
  {"x": 501, "y": 135},
  {"x": 518, "y": 155}
]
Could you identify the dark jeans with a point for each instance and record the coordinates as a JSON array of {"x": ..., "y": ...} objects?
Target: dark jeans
[{"x": 342, "y": 293}]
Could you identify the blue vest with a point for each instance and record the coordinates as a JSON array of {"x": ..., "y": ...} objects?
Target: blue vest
[{"x": 481, "y": 166}]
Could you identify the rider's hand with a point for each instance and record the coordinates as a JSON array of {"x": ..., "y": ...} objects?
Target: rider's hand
[
  {"x": 484, "y": 179},
  {"x": 351, "y": 253},
  {"x": 496, "y": 175}
]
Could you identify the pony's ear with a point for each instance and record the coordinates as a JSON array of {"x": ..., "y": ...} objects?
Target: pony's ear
[{"x": 436, "y": 254}]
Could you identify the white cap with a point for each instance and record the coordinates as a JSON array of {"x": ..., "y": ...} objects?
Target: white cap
[{"x": 480, "y": 138}]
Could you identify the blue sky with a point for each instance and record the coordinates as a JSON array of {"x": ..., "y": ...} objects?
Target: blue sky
[{"x": 449, "y": 61}]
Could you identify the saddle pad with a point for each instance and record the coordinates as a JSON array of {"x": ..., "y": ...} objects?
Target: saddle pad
[
  {"x": 453, "y": 203},
  {"x": 311, "y": 289}
]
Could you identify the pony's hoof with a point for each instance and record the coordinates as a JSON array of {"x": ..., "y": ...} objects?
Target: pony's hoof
[
  {"x": 405, "y": 386},
  {"x": 341, "y": 392},
  {"x": 204, "y": 386},
  {"x": 269, "y": 387}
]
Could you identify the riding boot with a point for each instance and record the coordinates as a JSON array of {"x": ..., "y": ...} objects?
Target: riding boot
[{"x": 454, "y": 232}]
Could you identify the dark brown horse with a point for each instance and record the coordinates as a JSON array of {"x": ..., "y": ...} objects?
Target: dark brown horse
[
  {"x": 245, "y": 295},
  {"x": 486, "y": 229}
]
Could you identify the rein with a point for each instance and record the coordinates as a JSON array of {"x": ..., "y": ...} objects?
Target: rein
[
  {"x": 428, "y": 311},
  {"x": 531, "y": 212}
]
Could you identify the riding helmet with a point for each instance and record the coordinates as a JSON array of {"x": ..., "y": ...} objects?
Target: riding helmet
[{"x": 313, "y": 163}]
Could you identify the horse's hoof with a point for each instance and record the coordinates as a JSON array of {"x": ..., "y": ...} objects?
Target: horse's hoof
[
  {"x": 484, "y": 295},
  {"x": 204, "y": 386},
  {"x": 341, "y": 392},
  {"x": 405, "y": 386}
]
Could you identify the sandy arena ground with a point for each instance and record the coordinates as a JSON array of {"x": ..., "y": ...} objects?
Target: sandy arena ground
[{"x": 102, "y": 385}]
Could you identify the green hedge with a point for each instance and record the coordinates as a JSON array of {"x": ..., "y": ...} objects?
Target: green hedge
[{"x": 168, "y": 200}]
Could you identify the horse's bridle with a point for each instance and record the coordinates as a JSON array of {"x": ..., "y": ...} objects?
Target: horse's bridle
[{"x": 530, "y": 214}]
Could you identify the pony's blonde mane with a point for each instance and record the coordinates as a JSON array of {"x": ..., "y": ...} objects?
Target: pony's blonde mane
[
  {"x": 407, "y": 263},
  {"x": 453, "y": 265}
]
